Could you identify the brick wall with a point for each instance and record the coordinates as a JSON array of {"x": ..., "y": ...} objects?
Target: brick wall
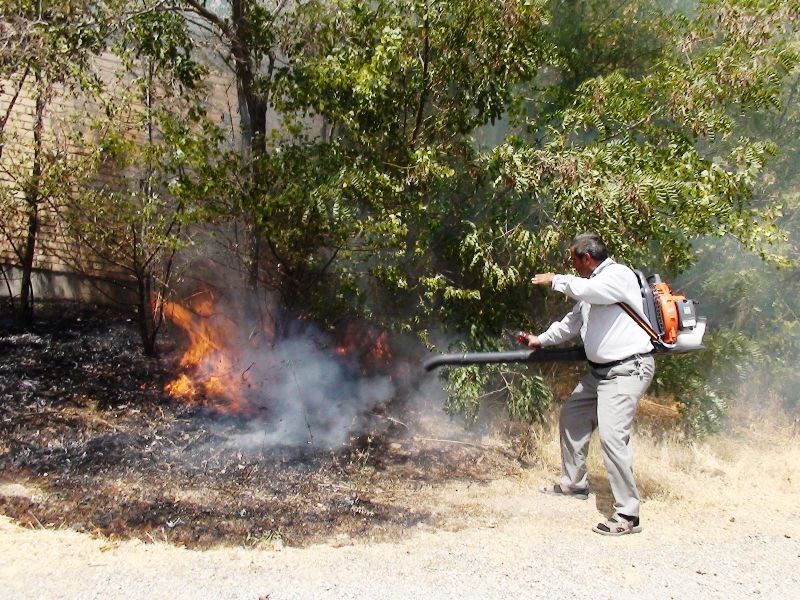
[{"x": 66, "y": 113}]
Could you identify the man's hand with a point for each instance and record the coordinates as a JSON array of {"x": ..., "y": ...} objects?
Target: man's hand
[
  {"x": 542, "y": 279},
  {"x": 531, "y": 341}
]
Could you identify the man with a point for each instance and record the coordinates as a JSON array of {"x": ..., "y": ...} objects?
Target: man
[{"x": 621, "y": 370}]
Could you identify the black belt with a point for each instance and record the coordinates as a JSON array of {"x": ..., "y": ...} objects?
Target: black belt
[{"x": 614, "y": 363}]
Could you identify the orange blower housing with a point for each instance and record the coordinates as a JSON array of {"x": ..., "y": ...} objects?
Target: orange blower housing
[
  {"x": 668, "y": 309},
  {"x": 672, "y": 316}
]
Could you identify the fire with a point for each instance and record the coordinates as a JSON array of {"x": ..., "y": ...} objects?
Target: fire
[
  {"x": 182, "y": 387},
  {"x": 204, "y": 337},
  {"x": 381, "y": 352},
  {"x": 228, "y": 370},
  {"x": 211, "y": 376},
  {"x": 369, "y": 346}
]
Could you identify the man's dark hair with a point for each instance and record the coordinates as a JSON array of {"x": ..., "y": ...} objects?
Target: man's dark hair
[{"x": 591, "y": 244}]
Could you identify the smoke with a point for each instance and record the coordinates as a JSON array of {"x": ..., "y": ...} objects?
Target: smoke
[
  {"x": 316, "y": 399},
  {"x": 753, "y": 337},
  {"x": 309, "y": 397},
  {"x": 286, "y": 382}
]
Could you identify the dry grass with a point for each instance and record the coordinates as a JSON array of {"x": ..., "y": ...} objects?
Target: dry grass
[{"x": 752, "y": 467}]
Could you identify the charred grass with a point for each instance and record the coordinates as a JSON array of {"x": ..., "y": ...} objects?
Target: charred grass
[{"x": 90, "y": 441}]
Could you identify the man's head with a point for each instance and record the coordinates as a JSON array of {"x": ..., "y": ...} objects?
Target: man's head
[{"x": 587, "y": 251}]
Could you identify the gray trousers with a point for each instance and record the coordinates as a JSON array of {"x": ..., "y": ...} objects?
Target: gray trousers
[{"x": 606, "y": 400}]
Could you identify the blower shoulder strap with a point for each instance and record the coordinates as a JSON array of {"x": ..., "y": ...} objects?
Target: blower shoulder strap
[
  {"x": 655, "y": 339},
  {"x": 640, "y": 321}
]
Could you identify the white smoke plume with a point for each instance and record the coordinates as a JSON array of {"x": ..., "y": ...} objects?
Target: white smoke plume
[{"x": 309, "y": 397}]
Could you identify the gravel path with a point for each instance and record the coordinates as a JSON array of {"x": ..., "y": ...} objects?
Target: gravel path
[{"x": 522, "y": 545}]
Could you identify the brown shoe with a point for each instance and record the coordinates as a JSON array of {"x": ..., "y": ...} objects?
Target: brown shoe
[{"x": 617, "y": 525}]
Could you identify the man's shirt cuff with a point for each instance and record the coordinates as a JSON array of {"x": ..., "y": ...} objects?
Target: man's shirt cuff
[{"x": 560, "y": 282}]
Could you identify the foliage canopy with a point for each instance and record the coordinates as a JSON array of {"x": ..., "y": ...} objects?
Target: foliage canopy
[{"x": 414, "y": 162}]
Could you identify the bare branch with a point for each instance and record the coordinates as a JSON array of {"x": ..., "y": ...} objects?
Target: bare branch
[{"x": 214, "y": 19}]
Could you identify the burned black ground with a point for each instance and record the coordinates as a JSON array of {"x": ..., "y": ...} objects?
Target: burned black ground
[{"x": 88, "y": 432}]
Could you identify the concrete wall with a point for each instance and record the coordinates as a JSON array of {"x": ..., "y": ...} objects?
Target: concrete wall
[{"x": 62, "y": 285}]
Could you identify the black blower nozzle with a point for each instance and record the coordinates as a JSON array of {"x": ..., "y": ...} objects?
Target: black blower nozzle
[{"x": 519, "y": 356}]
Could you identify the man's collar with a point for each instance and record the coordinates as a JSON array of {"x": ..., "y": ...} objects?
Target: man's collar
[{"x": 601, "y": 266}]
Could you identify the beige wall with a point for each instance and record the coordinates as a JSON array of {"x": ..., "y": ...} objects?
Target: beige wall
[{"x": 56, "y": 254}]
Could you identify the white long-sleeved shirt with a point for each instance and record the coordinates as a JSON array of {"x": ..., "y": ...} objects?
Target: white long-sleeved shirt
[{"x": 608, "y": 332}]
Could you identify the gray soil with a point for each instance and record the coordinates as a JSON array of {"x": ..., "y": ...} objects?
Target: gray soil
[{"x": 511, "y": 542}]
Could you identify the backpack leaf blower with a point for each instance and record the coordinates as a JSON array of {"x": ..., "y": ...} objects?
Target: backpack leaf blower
[{"x": 668, "y": 318}]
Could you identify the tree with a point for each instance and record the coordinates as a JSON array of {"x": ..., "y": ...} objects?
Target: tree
[
  {"x": 377, "y": 222},
  {"x": 751, "y": 296},
  {"x": 641, "y": 150},
  {"x": 243, "y": 34},
  {"x": 156, "y": 140},
  {"x": 46, "y": 51},
  {"x": 399, "y": 88}
]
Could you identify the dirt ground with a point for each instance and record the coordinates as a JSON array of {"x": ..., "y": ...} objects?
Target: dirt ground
[
  {"x": 108, "y": 488},
  {"x": 86, "y": 427},
  {"x": 512, "y": 542}
]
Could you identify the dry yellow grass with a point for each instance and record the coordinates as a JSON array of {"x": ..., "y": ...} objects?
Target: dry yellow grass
[{"x": 753, "y": 467}]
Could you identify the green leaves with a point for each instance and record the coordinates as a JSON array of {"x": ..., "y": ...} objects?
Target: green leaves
[
  {"x": 526, "y": 396},
  {"x": 163, "y": 38},
  {"x": 428, "y": 156},
  {"x": 55, "y": 40}
]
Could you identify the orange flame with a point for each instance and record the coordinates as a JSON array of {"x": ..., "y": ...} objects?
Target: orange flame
[
  {"x": 369, "y": 346},
  {"x": 381, "y": 351},
  {"x": 214, "y": 373},
  {"x": 211, "y": 377}
]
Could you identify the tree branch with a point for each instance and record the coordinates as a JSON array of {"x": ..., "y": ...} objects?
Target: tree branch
[
  {"x": 423, "y": 96},
  {"x": 213, "y": 18}
]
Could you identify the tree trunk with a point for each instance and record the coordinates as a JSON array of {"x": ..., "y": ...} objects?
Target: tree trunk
[
  {"x": 253, "y": 115},
  {"x": 145, "y": 317},
  {"x": 254, "y": 121},
  {"x": 32, "y": 200}
]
